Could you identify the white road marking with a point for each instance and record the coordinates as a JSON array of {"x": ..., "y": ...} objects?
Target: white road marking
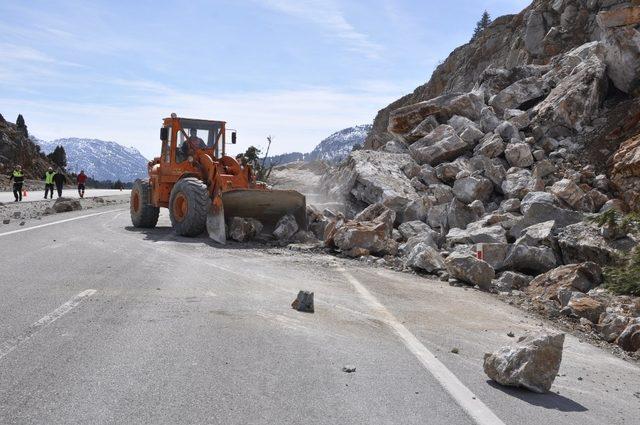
[
  {"x": 26, "y": 229},
  {"x": 10, "y": 345},
  {"x": 466, "y": 399}
]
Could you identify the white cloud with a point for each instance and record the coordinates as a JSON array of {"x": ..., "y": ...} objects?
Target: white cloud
[
  {"x": 298, "y": 119},
  {"x": 326, "y": 15}
]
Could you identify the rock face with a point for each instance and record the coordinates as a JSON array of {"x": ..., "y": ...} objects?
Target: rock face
[{"x": 532, "y": 363}]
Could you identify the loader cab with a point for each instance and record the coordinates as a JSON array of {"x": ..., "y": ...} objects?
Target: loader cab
[{"x": 210, "y": 135}]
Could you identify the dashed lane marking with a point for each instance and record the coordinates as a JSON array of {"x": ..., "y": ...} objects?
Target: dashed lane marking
[
  {"x": 13, "y": 343},
  {"x": 464, "y": 397},
  {"x": 40, "y": 226}
]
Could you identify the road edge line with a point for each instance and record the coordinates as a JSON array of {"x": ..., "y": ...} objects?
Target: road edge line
[
  {"x": 39, "y": 226},
  {"x": 463, "y": 396},
  {"x": 13, "y": 343}
]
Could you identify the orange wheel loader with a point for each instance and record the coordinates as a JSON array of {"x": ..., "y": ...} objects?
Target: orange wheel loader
[{"x": 203, "y": 187}]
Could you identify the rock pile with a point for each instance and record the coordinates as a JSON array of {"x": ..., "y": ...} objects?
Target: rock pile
[{"x": 485, "y": 184}]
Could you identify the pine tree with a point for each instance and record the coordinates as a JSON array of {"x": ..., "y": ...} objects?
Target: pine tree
[
  {"x": 21, "y": 125},
  {"x": 58, "y": 156},
  {"x": 483, "y": 23}
]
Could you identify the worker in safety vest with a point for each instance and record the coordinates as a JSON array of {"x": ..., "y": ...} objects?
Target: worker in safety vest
[
  {"x": 18, "y": 179},
  {"x": 48, "y": 182}
]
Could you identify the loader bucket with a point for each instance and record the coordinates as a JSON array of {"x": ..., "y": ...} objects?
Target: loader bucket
[
  {"x": 215, "y": 224},
  {"x": 266, "y": 206}
]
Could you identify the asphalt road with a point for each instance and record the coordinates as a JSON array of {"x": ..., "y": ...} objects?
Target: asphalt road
[
  {"x": 101, "y": 323},
  {"x": 38, "y": 195}
]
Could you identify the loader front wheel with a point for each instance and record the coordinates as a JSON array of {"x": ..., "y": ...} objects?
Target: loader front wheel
[
  {"x": 143, "y": 214},
  {"x": 188, "y": 207}
]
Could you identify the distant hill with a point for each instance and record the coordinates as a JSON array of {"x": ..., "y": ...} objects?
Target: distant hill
[
  {"x": 333, "y": 149},
  {"x": 102, "y": 160},
  {"x": 337, "y": 146}
]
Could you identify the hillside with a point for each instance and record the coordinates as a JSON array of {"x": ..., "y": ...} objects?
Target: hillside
[
  {"x": 17, "y": 148},
  {"x": 102, "y": 160},
  {"x": 332, "y": 150}
]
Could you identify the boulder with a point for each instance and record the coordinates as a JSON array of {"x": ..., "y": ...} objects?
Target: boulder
[
  {"x": 367, "y": 235},
  {"x": 460, "y": 215},
  {"x": 491, "y": 234},
  {"x": 244, "y": 229},
  {"x": 441, "y": 145},
  {"x": 519, "y": 94},
  {"x": 369, "y": 177},
  {"x": 518, "y": 155},
  {"x": 520, "y": 119},
  {"x": 378, "y": 214},
  {"x": 428, "y": 237},
  {"x": 490, "y": 146},
  {"x": 539, "y": 212},
  {"x": 530, "y": 259},
  {"x": 511, "y": 280},
  {"x": 424, "y": 128},
  {"x": 611, "y": 326},
  {"x": 583, "y": 242},
  {"x": 573, "y": 277},
  {"x": 467, "y": 268},
  {"x": 541, "y": 234},
  {"x": 66, "y": 205},
  {"x": 629, "y": 339},
  {"x": 626, "y": 171},
  {"x": 488, "y": 120},
  {"x": 532, "y": 363},
  {"x": 570, "y": 192},
  {"x": 407, "y": 118},
  {"x": 518, "y": 182},
  {"x": 472, "y": 188},
  {"x": 424, "y": 257},
  {"x": 537, "y": 198},
  {"x": 622, "y": 47},
  {"x": 586, "y": 307},
  {"x": 581, "y": 88},
  {"x": 507, "y": 131},
  {"x": 543, "y": 168},
  {"x": 285, "y": 228},
  {"x": 494, "y": 253},
  {"x": 413, "y": 228},
  {"x": 447, "y": 171}
]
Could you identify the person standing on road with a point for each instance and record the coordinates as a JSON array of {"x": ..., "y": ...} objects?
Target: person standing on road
[
  {"x": 81, "y": 179},
  {"x": 18, "y": 179},
  {"x": 59, "y": 179},
  {"x": 48, "y": 182}
]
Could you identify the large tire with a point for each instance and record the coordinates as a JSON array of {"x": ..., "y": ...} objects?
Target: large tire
[
  {"x": 188, "y": 207},
  {"x": 143, "y": 214}
]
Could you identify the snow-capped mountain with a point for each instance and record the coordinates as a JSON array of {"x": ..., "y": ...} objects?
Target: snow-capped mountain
[
  {"x": 337, "y": 146},
  {"x": 101, "y": 160}
]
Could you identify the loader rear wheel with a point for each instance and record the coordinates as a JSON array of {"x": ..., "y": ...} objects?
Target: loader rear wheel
[
  {"x": 143, "y": 214},
  {"x": 188, "y": 207}
]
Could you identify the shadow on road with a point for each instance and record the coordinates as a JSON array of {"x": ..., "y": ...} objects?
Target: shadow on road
[
  {"x": 159, "y": 233},
  {"x": 548, "y": 401}
]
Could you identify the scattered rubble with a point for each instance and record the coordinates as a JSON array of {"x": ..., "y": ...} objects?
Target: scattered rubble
[
  {"x": 303, "y": 302},
  {"x": 532, "y": 363}
]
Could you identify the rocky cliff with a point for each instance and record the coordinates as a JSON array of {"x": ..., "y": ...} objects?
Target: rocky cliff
[
  {"x": 17, "y": 148},
  {"x": 520, "y": 48},
  {"x": 494, "y": 172}
]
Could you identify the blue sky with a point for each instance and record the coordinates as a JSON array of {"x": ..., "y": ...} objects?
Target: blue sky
[{"x": 294, "y": 69}]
